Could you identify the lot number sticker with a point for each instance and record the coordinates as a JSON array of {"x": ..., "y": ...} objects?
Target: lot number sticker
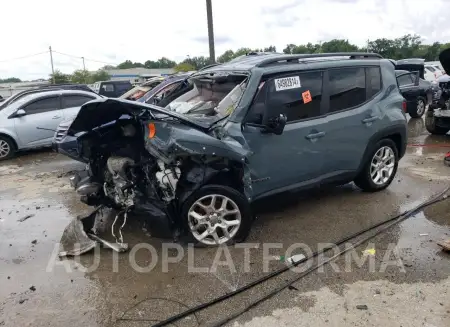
[{"x": 287, "y": 83}]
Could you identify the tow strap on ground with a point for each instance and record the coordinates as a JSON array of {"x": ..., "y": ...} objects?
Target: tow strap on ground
[{"x": 388, "y": 224}]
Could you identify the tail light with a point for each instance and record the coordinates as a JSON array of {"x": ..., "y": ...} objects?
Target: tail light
[{"x": 404, "y": 106}]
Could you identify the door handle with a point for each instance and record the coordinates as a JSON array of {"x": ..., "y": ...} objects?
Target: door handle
[
  {"x": 315, "y": 135},
  {"x": 369, "y": 120},
  {"x": 56, "y": 117}
]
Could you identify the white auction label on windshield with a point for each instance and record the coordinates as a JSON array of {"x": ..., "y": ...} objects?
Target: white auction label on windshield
[{"x": 287, "y": 83}]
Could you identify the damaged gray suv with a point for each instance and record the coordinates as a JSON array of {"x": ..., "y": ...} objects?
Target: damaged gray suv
[{"x": 238, "y": 132}]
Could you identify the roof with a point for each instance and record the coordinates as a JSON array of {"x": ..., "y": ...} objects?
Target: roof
[{"x": 271, "y": 59}]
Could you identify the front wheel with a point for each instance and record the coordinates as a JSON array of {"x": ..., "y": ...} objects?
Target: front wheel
[
  {"x": 430, "y": 125},
  {"x": 418, "y": 110},
  {"x": 379, "y": 171},
  {"x": 215, "y": 215}
]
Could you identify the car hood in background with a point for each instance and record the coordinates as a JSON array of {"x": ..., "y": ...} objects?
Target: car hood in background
[{"x": 444, "y": 58}]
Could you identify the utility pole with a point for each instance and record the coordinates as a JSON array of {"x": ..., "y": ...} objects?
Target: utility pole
[
  {"x": 368, "y": 45},
  {"x": 84, "y": 66},
  {"x": 51, "y": 61},
  {"x": 212, "y": 56}
]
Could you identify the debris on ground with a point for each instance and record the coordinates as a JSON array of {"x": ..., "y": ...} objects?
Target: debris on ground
[
  {"x": 32, "y": 288},
  {"x": 369, "y": 252},
  {"x": 22, "y": 301},
  {"x": 423, "y": 234},
  {"x": 25, "y": 218},
  {"x": 34, "y": 242},
  {"x": 445, "y": 245},
  {"x": 362, "y": 307},
  {"x": 292, "y": 288}
]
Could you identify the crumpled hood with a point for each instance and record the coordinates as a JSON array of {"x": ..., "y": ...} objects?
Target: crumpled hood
[
  {"x": 173, "y": 140},
  {"x": 103, "y": 111},
  {"x": 444, "y": 58}
]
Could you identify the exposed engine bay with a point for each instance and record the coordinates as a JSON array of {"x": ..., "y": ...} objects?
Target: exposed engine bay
[{"x": 150, "y": 162}]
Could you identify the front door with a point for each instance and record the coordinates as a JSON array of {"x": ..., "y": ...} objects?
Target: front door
[
  {"x": 294, "y": 158},
  {"x": 38, "y": 126},
  {"x": 408, "y": 85}
]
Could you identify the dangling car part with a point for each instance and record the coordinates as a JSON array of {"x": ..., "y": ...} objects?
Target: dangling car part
[{"x": 437, "y": 119}]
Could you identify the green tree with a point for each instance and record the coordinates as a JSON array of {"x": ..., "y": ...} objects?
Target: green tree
[
  {"x": 226, "y": 56},
  {"x": 80, "y": 76},
  {"x": 99, "y": 75},
  {"x": 59, "y": 78},
  {"x": 337, "y": 45},
  {"x": 10, "y": 80},
  {"x": 197, "y": 62},
  {"x": 270, "y": 48},
  {"x": 183, "y": 67}
]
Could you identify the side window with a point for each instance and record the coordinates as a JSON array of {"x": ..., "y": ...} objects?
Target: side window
[
  {"x": 108, "y": 87},
  {"x": 161, "y": 94},
  {"x": 70, "y": 101},
  {"x": 297, "y": 95},
  {"x": 405, "y": 80},
  {"x": 374, "y": 79},
  {"x": 256, "y": 112},
  {"x": 42, "y": 105},
  {"x": 347, "y": 88}
]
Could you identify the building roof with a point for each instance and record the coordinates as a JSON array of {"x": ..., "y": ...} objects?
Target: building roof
[{"x": 139, "y": 71}]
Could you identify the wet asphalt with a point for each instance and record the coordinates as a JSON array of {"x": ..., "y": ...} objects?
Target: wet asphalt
[{"x": 103, "y": 288}]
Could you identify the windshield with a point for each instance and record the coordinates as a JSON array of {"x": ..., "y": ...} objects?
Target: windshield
[{"x": 210, "y": 97}]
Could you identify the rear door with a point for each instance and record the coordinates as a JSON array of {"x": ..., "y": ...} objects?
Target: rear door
[
  {"x": 38, "y": 126},
  {"x": 71, "y": 103},
  {"x": 353, "y": 117},
  {"x": 294, "y": 158}
]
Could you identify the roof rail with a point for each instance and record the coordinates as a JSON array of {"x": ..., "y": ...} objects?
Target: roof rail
[
  {"x": 208, "y": 66},
  {"x": 294, "y": 57}
]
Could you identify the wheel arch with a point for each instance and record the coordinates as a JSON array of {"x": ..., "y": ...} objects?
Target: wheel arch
[
  {"x": 395, "y": 133},
  {"x": 12, "y": 138}
]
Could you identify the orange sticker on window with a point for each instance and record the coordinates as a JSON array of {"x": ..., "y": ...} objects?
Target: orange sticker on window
[{"x": 306, "y": 96}]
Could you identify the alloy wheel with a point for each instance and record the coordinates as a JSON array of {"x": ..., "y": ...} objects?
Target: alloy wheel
[
  {"x": 4, "y": 149},
  {"x": 214, "y": 219},
  {"x": 382, "y": 165},
  {"x": 420, "y": 107}
]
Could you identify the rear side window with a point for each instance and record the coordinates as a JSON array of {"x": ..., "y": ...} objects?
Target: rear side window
[
  {"x": 123, "y": 87},
  {"x": 70, "y": 101},
  {"x": 373, "y": 75},
  {"x": 108, "y": 87},
  {"x": 42, "y": 105},
  {"x": 347, "y": 87},
  {"x": 297, "y": 95}
]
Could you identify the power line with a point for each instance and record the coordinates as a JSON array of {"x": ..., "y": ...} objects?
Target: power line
[
  {"x": 17, "y": 58},
  {"x": 80, "y": 57}
]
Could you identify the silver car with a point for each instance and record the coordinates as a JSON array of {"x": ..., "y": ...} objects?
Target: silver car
[{"x": 31, "y": 121}]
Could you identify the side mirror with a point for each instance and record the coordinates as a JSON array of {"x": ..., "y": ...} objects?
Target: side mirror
[
  {"x": 276, "y": 125},
  {"x": 20, "y": 113}
]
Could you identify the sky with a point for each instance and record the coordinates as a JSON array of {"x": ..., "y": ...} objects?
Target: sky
[{"x": 111, "y": 31}]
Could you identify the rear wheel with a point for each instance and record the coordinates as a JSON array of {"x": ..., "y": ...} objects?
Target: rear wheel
[
  {"x": 7, "y": 148},
  {"x": 418, "y": 110},
  {"x": 430, "y": 125},
  {"x": 380, "y": 169},
  {"x": 215, "y": 215}
]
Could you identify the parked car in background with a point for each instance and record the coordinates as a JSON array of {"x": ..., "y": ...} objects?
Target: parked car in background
[
  {"x": 432, "y": 73},
  {"x": 417, "y": 92},
  {"x": 19, "y": 95},
  {"x": 31, "y": 121},
  {"x": 437, "y": 118},
  {"x": 139, "y": 91},
  {"x": 161, "y": 91},
  {"x": 239, "y": 132},
  {"x": 112, "y": 89}
]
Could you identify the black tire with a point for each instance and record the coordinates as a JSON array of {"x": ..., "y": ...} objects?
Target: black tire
[
  {"x": 237, "y": 197},
  {"x": 430, "y": 125},
  {"x": 7, "y": 143},
  {"x": 414, "y": 111},
  {"x": 364, "y": 180}
]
